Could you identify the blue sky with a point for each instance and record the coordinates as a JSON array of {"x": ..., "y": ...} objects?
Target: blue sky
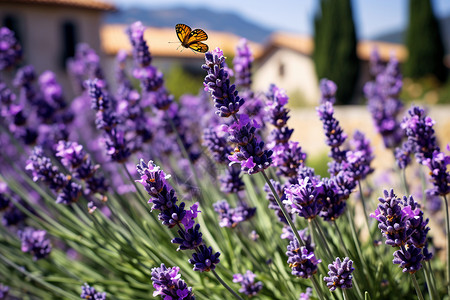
[{"x": 371, "y": 16}]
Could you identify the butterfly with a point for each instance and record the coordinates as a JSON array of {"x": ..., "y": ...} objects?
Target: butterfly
[{"x": 192, "y": 38}]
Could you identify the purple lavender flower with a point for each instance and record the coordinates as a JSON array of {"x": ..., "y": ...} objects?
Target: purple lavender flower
[
  {"x": 13, "y": 216},
  {"x": 35, "y": 242},
  {"x": 250, "y": 152},
  {"x": 204, "y": 260},
  {"x": 304, "y": 198},
  {"x": 189, "y": 239},
  {"x": 169, "y": 285},
  {"x": 403, "y": 154},
  {"x": 115, "y": 142},
  {"x": 420, "y": 132},
  {"x": 69, "y": 193},
  {"x": 231, "y": 182},
  {"x": 89, "y": 292},
  {"x": 357, "y": 165},
  {"x": 376, "y": 65},
  {"x": 288, "y": 157},
  {"x": 278, "y": 115},
  {"x": 335, "y": 136},
  {"x": 409, "y": 258},
  {"x": 217, "y": 82},
  {"x": 302, "y": 262},
  {"x": 392, "y": 219},
  {"x": 242, "y": 62},
  {"x": 345, "y": 183},
  {"x": 10, "y": 49},
  {"x": 43, "y": 169},
  {"x": 231, "y": 217},
  {"x": 384, "y": 103},
  {"x": 248, "y": 284},
  {"x": 306, "y": 295},
  {"x": 361, "y": 144},
  {"x": 340, "y": 274},
  {"x": 4, "y": 291},
  {"x": 333, "y": 202},
  {"x": 85, "y": 65},
  {"x": 75, "y": 159},
  {"x": 141, "y": 52},
  {"x": 7, "y": 98},
  {"x": 304, "y": 236},
  {"x": 280, "y": 190},
  {"x": 216, "y": 142}
]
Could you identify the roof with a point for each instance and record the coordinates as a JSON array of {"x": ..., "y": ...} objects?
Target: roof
[
  {"x": 164, "y": 42},
  {"x": 88, "y": 4},
  {"x": 305, "y": 45}
]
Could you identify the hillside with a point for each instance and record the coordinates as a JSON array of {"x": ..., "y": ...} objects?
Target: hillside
[{"x": 196, "y": 18}]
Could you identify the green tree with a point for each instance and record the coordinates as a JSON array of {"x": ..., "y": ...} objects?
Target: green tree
[
  {"x": 424, "y": 43},
  {"x": 335, "y": 42}
]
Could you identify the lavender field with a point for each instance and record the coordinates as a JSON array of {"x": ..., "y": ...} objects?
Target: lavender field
[{"x": 125, "y": 192}]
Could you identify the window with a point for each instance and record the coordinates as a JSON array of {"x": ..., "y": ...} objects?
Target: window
[{"x": 69, "y": 41}]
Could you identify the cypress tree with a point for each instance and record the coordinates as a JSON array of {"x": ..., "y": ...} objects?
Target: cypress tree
[
  {"x": 335, "y": 47},
  {"x": 424, "y": 43}
]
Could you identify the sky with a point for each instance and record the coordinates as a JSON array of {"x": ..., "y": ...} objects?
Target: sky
[{"x": 372, "y": 17}]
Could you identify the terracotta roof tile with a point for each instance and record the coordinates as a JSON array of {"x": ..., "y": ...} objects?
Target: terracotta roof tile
[
  {"x": 163, "y": 42},
  {"x": 305, "y": 44},
  {"x": 89, "y": 4}
]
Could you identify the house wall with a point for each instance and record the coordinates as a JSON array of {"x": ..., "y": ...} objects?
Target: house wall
[
  {"x": 299, "y": 76},
  {"x": 40, "y": 30}
]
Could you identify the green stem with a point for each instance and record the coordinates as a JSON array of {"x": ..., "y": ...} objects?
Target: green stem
[
  {"x": 416, "y": 286},
  {"x": 365, "y": 210},
  {"x": 316, "y": 287},
  {"x": 405, "y": 183},
  {"x": 51, "y": 287},
  {"x": 358, "y": 246},
  {"x": 283, "y": 209},
  {"x": 226, "y": 285},
  {"x": 322, "y": 239},
  {"x": 447, "y": 229},
  {"x": 430, "y": 284},
  {"x": 432, "y": 279},
  {"x": 345, "y": 295}
]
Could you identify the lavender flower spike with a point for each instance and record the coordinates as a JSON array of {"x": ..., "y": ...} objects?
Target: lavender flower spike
[
  {"x": 242, "y": 64},
  {"x": 340, "y": 274},
  {"x": 248, "y": 284},
  {"x": 409, "y": 258},
  {"x": 217, "y": 82},
  {"x": 169, "y": 285},
  {"x": 302, "y": 261},
  {"x": 204, "y": 260},
  {"x": 392, "y": 219},
  {"x": 35, "y": 242},
  {"x": 10, "y": 49},
  {"x": 89, "y": 292}
]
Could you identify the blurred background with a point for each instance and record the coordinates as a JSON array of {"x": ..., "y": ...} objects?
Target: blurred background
[
  {"x": 294, "y": 43},
  {"x": 282, "y": 36}
]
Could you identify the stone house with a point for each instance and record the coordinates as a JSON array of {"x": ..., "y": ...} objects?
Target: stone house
[{"x": 50, "y": 29}]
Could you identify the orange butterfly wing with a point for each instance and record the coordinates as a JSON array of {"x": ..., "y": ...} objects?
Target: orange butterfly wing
[
  {"x": 192, "y": 38},
  {"x": 197, "y": 35},
  {"x": 183, "y": 32},
  {"x": 199, "y": 46}
]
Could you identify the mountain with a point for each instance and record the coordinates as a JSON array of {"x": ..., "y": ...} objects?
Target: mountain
[
  {"x": 398, "y": 36},
  {"x": 195, "y": 18}
]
